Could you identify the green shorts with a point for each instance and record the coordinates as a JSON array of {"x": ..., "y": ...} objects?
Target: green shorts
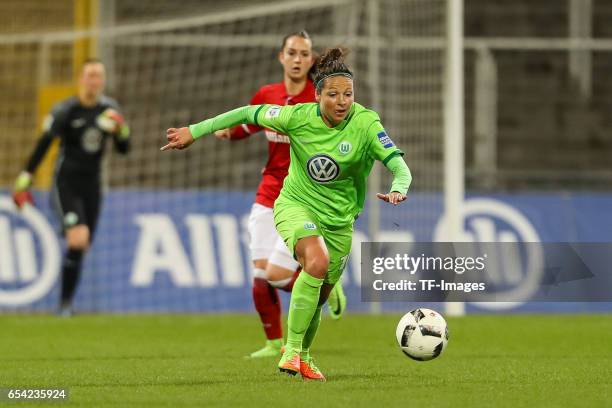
[{"x": 294, "y": 222}]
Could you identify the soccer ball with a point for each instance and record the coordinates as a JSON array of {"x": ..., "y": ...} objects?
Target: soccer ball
[{"x": 422, "y": 334}]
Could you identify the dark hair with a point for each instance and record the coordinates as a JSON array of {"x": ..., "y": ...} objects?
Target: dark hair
[
  {"x": 312, "y": 72},
  {"x": 331, "y": 63},
  {"x": 302, "y": 33}
]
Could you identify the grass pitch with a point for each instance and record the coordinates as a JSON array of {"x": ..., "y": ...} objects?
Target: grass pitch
[{"x": 150, "y": 361}]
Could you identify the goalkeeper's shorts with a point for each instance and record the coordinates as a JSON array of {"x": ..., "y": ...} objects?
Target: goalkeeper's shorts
[
  {"x": 294, "y": 222},
  {"x": 77, "y": 202}
]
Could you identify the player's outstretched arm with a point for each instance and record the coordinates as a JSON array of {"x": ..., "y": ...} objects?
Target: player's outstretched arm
[
  {"x": 401, "y": 181},
  {"x": 182, "y": 138}
]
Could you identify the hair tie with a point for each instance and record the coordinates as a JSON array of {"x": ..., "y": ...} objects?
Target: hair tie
[{"x": 320, "y": 81}]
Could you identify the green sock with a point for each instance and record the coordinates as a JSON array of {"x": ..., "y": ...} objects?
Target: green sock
[
  {"x": 311, "y": 332},
  {"x": 302, "y": 307}
]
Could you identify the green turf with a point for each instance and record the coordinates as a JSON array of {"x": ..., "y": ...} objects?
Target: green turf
[{"x": 491, "y": 361}]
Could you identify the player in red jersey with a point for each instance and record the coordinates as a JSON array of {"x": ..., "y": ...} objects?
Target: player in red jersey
[{"x": 273, "y": 265}]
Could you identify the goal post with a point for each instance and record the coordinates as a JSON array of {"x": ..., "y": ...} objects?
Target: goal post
[{"x": 454, "y": 128}]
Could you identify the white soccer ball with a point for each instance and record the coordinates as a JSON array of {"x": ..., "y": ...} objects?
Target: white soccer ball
[{"x": 422, "y": 334}]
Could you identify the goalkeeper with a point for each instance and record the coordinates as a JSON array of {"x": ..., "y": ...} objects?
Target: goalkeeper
[
  {"x": 82, "y": 123},
  {"x": 333, "y": 147}
]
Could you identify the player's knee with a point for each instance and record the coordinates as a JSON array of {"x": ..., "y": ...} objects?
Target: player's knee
[
  {"x": 313, "y": 256},
  {"x": 260, "y": 263},
  {"x": 278, "y": 276},
  {"x": 77, "y": 237},
  {"x": 317, "y": 264}
]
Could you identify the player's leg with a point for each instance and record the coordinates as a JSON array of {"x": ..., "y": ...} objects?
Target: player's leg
[
  {"x": 265, "y": 297},
  {"x": 313, "y": 255},
  {"x": 298, "y": 227},
  {"x": 282, "y": 269},
  {"x": 308, "y": 369},
  {"x": 90, "y": 195},
  {"x": 336, "y": 303},
  {"x": 339, "y": 246},
  {"x": 72, "y": 216}
]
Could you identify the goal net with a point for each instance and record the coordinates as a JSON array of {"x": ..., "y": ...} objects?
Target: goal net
[{"x": 172, "y": 234}]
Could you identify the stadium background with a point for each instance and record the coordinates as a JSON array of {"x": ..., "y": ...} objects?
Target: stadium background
[{"x": 172, "y": 237}]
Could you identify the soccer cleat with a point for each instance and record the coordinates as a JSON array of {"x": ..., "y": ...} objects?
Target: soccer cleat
[
  {"x": 273, "y": 348},
  {"x": 336, "y": 303},
  {"x": 290, "y": 362},
  {"x": 309, "y": 370}
]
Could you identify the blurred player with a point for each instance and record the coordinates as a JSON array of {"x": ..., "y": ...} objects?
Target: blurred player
[
  {"x": 273, "y": 265},
  {"x": 334, "y": 144},
  {"x": 83, "y": 123}
]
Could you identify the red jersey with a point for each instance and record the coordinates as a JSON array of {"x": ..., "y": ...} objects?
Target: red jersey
[{"x": 277, "y": 166}]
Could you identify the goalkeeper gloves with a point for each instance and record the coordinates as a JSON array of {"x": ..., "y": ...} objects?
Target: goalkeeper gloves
[
  {"x": 113, "y": 122},
  {"x": 21, "y": 190}
]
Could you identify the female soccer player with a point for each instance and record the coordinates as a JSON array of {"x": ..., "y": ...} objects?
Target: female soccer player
[
  {"x": 83, "y": 123},
  {"x": 333, "y": 147},
  {"x": 273, "y": 265}
]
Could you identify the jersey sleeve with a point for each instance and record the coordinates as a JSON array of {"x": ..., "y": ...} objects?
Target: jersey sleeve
[
  {"x": 54, "y": 125},
  {"x": 275, "y": 117},
  {"x": 243, "y": 131},
  {"x": 402, "y": 178},
  {"x": 381, "y": 147},
  {"x": 271, "y": 116}
]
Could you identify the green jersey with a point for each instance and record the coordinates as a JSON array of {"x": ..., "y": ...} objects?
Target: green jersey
[{"x": 329, "y": 166}]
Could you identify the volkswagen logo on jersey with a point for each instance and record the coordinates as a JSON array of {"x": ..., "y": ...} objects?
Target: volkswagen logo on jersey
[{"x": 322, "y": 168}]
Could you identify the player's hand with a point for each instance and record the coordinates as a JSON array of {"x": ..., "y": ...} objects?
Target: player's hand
[
  {"x": 115, "y": 116},
  {"x": 393, "y": 197},
  {"x": 112, "y": 121},
  {"x": 223, "y": 134},
  {"x": 178, "y": 139},
  {"x": 21, "y": 198},
  {"x": 21, "y": 193}
]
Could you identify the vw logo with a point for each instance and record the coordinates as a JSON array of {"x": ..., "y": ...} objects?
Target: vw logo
[{"x": 322, "y": 168}]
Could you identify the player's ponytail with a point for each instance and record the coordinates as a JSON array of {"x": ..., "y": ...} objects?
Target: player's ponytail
[
  {"x": 312, "y": 72},
  {"x": 331, "y": 63}
]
